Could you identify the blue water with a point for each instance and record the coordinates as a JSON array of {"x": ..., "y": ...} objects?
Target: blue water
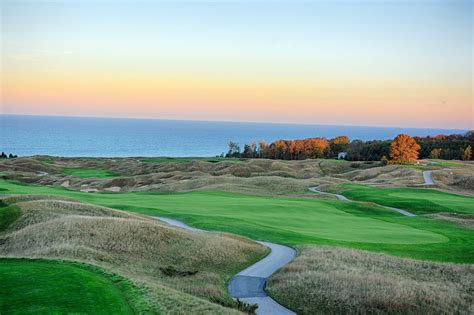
[{"x": 78, "y": 136}]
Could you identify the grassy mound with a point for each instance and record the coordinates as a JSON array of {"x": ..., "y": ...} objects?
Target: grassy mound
[
  {"x": 137, "y": 247},
  {"x": 251, "y": 176},
  {"x": 328, "y": 280},
  {"x": 46, "y": 287}
]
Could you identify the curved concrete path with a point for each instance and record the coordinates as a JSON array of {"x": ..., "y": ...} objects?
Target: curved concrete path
[
  {"x": 249, "y": 284},
  {"x": 316, "y": 190},
  {"x": 428, "y": 176},
  {"x": 343, "y": 198}
]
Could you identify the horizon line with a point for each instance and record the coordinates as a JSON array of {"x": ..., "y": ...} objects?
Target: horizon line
[{"x": 228, "y": 121}]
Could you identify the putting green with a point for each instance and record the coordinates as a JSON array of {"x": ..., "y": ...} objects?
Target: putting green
[
  {"x": 52, "y": 287},
  {"x": 285, "y": 220}
]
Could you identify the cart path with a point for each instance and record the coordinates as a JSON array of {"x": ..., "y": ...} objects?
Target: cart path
[{"x": 249, "y": 284}]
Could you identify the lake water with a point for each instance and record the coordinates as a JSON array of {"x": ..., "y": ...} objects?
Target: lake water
[{"x": 107, "y": 137}]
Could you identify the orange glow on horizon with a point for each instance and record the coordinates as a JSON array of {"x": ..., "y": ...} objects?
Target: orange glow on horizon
[{"x": 249, "y": 99}]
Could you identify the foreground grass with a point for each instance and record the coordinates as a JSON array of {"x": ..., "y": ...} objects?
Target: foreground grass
[
  {"x": 329, "y": 280},
  {"x": 180, "y": 272},
  {"x": 290, "y": 220},
  {"x": 87, "y": 172},
  {"x": 45, "y": 286},
  {"x": 416, "y": 200}
]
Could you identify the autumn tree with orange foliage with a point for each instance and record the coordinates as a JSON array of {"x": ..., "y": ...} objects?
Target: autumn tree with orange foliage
[
  {"x": 316, "y": 147},
  {"x": 264, "y": 149},
  {"x": 299, "y": 149},
  {"x": 279, "y": 149},
  {"x": 404, "y": 149}
]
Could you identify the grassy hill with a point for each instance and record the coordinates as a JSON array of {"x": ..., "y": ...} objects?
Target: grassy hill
[
  {"x": 38, "y": 286},
  {"x": 174, "y": 270}
]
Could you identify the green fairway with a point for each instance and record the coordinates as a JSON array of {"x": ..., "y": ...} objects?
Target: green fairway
[
  {"x": 87, "y": 172},
  {"x": 54, "y": 287},
  {"x": 416, "y": 200},
  {"x": 286, "y": 220},
  {"x": 289, "y": 220}
]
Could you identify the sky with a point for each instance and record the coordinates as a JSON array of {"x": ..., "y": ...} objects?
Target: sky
[{"x": 377, "y": 63}]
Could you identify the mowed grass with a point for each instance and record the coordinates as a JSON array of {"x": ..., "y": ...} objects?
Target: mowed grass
[
  {"x": 87, "y": 172},
  {"x": 416, "y": 200},
  {"x": 290, "y": 220},
  {"x": 437, "y": 164},
  {"x": 55, "y": 287},
  {"x": 287, "y": 220}
]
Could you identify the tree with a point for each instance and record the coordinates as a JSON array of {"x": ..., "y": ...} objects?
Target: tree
[
  {"x": 234, "y": 150},
  {"x": 338, "y": 144},
  {"x": 374, "y": 150},
  {"x": 247, "y": 151},
  {"x": 467, "y": 154},
  {"x": 354, "y": 150},
  {"x": 404, "y": 149},
  {"x": 263, "y": 149},
  {"x": 316, "y": 147},
  {"x": 279, "y": 149},
  {"x": 299, "y": 149},
  {"x": 435, "y": 153},
  {"x": 253, "y": 148}
]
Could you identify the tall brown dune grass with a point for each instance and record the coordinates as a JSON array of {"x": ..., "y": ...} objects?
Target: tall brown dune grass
[
  {"x": 329, "y": 280},
  {"x": 260, "y": 176}
]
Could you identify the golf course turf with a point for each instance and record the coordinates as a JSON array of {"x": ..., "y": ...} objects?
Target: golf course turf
[
  {"x": 416, "y": 200},
  {"x": 87, "y": 172},
  {"x": 56, "y": 287},
  {"x": 289, "y": 220}
]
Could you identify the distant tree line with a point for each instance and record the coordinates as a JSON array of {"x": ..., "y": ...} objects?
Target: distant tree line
[
  {"x": 9, "y": 156},
  {"x": 449, "y": 147}
]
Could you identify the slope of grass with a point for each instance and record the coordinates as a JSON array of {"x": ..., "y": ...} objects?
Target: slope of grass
[
  {"x": 87, "y": 172},
  {"x": 137, "y": 247},
  {"x": 348, "y": 281},
  {"x": 291, "y": 220},
  {"x": 53, "y": 287},
  {"x": 8, "y": 215},
  {"x": 416, "y": 200}
]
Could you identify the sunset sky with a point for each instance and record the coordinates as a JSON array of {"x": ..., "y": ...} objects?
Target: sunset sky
[{"x": 400, "y": 63}]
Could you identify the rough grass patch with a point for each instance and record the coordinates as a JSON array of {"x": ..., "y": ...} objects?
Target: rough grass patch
[{"x": 342, "y": 281}]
